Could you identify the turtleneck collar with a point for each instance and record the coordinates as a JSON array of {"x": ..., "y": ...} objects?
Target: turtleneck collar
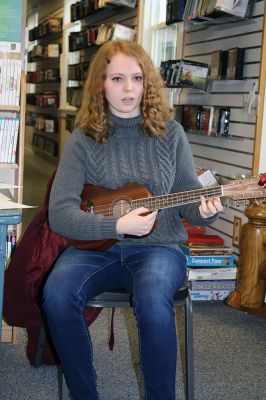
[{"x": 125, "y": 122}]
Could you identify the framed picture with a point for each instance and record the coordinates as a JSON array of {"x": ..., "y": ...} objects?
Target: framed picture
[{"x": 237, "y": 231}]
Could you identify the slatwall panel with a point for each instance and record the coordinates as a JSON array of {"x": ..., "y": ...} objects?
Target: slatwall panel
[{"x": 231, "y": 156}]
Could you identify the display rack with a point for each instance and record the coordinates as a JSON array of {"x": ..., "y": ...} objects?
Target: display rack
[{"x": 12, "y": 107}]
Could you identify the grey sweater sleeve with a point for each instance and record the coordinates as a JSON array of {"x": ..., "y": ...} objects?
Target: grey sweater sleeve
[
  {"x": 187, "y": 179},
  {"x": 65, "y": 216}
]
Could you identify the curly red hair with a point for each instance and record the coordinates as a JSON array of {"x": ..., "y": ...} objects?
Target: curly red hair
[{"x": 92, "y": 115}]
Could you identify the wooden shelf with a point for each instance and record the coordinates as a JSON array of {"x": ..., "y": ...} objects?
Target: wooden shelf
[
  {"x": 9, "y": 166},
  {"x": 10, "y": 108}
]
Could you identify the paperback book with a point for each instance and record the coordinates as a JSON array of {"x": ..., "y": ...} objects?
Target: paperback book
[{"x": 239, "y": 8}]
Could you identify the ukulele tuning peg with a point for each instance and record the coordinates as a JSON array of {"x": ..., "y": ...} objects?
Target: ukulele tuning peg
[
  {"x": 237, "y": 204},
  {"x": 243, "y": 176},
  {"x": 255, "y": 203},
  {"x": 247, "y": 203}
]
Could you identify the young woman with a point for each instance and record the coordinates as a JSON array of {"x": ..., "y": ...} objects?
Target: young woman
[{"x": 123, "y": 134}]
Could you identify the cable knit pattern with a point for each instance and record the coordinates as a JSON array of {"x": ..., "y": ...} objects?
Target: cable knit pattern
[{"x": 162, "y": 165}]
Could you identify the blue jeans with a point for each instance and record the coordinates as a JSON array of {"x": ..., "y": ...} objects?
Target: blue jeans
[{"x": 152, "y": 274}]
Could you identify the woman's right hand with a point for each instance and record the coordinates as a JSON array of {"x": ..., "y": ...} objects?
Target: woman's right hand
[{"x": 136, "y": 222}]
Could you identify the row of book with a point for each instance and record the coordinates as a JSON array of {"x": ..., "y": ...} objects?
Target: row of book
[
  {"x": 92, "y": 36},
  {"x": 10, "y": 74},
  {"x": 202, "y": 10},
  {"x": 41, "y": 52},
  {"x": 83, "y": 8},
  {"x": 184, "y": 73},
  {"x": 44, "y": 123},
  {"x": 227, "y": 64},
  {"x": 51, "y": 25},
  {"x": 11, "y": 241},
  {"x": 46, "y": 143},
  {"x": 49, "y": 75},
  {"x": 9, "y": 128},
  {"x": 206, "y": 120},
  {"x": 47, "y": 99},
  {"x": 211, "y": 269}
]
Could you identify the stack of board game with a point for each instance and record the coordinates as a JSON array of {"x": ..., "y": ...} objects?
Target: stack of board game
[{"x": 211, "y": 270}]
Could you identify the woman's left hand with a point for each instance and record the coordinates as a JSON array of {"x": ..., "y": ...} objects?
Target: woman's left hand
[{"x": 210, "y": 207}]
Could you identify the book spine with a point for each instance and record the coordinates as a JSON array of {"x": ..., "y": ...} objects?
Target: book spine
[
  {"x": 14, "y": 142},
  {"x": 1, "y": 80},
  {"x": 210, "y": 261}
]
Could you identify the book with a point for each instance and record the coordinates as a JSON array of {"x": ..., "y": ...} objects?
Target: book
[
  {"x": 223, "y": 121},
  {"x": 200, "y": 250},
  {"x": 192, "y": 229},
  {"x": 213, "y": 285},
  {"x": 210, "y": 261},
  {"x": 210, "y": 274},
  {"x": 209, "y": 294},
  {"x": 223, "y": 66},
  {"x": 235, "y": 63},
  {"x": 187, "y": 9},
  {"x": 191, "y": 118},
  {"x": 204, "y": 238},
  {"x": 239, "y": 8},
  {"x": 206, "y": 177},
  {"x": 206, "y": 117},
  {"x": 193, "y": 74},
  {"x": 174, "y": 11},
  {"x": 216, "y": 58}
]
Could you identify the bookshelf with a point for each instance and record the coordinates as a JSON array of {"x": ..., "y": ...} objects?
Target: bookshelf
[
  {"x": 76, "y": 54},
  {"x": 43, "y": 81},
  {"x": 211, "y": 12},
  {"x": 12, "y": 106}
]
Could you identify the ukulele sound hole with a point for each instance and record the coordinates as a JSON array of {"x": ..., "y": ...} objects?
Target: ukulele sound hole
[{"x": 121, "y": 207}]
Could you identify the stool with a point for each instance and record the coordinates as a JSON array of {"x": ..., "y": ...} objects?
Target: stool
[{"x": 121, "y": 299}]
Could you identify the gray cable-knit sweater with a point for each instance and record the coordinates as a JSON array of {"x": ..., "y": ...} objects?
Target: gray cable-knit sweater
[{"x": 162, "y": 165}]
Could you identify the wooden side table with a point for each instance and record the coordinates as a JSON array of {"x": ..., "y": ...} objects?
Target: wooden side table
[{"x": 7, "y": 217}]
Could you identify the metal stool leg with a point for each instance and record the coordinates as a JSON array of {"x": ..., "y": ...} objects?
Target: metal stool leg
[
  {"x": 189, "y": 350},
  {"x": 64, "y": 388},
  {"x": 40, "y": 346}
]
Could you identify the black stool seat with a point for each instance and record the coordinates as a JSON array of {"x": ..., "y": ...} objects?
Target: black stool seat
[{"x": 121, "y": 298}]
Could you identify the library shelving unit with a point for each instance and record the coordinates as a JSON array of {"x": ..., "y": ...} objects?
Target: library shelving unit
[
  {"x": 83, "y": 35},
  {"x": 12, "y": 109}
]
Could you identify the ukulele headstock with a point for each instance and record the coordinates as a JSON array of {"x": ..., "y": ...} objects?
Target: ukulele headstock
[{"x": 246, "y": 189}]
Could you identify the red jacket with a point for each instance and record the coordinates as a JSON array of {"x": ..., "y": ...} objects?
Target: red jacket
[{"x": 32, "y": 261}]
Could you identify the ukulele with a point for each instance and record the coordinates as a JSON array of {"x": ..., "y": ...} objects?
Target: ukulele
[{"x": 116, "y": 203}]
